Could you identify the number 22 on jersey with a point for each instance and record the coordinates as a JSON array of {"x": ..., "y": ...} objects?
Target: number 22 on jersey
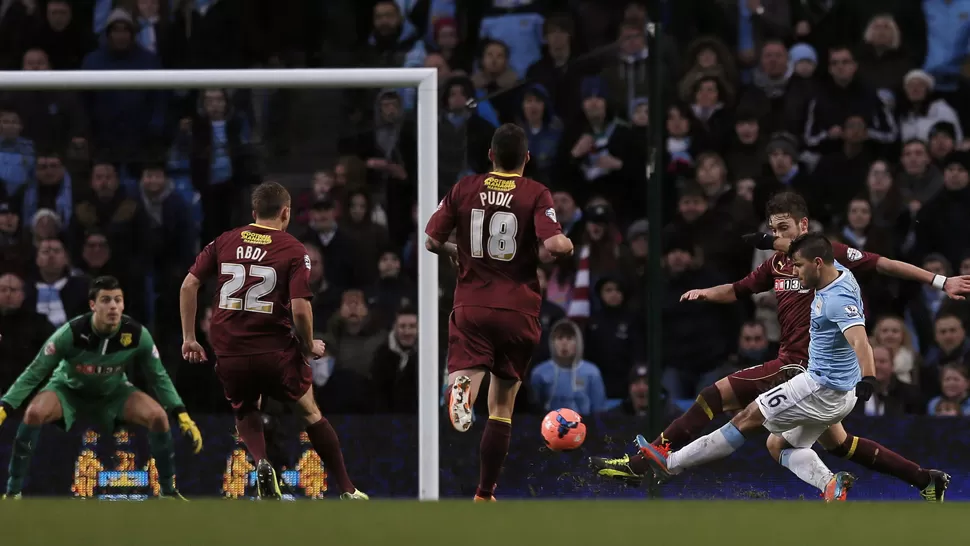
[
  {"x": 502, "y": 228},
  {"x": 251, "y": 300}
]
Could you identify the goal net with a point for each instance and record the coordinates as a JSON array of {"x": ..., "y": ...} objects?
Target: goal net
[{"x": 208, "y": 137}]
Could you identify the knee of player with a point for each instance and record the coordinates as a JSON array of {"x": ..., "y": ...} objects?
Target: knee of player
[
  {"x": 776, "y": 444},
  {"x": 34, "y": 416},
  {"x": 158, "y": 421}
]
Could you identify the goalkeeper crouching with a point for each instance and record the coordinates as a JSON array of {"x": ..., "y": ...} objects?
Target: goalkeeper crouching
[{"x": 88, "y": 356}]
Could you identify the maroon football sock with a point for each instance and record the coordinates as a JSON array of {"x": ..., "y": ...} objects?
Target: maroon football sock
[
  {"x": 493, "y": 449},
  {"x": 325, "y": 442},
  {"x": 686, "y": 428},
  {"x": 250, "y": 428},
  {"x": 876, "y": 457}
]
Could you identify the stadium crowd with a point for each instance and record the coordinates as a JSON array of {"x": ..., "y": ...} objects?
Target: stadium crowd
[{"x": 853, "y": 103}]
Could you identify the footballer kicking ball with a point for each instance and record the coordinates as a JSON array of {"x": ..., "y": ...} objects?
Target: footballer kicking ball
[{"x": 563, "y": 430}]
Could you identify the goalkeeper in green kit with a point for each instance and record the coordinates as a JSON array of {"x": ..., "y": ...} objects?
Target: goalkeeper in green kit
[{"x": 88, "y": 355}]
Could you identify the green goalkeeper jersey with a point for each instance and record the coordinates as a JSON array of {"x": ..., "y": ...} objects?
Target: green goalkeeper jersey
[{"x": 93, "y": 364}]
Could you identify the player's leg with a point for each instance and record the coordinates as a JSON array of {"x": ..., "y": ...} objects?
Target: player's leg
[
  {"x": 874, "y": 456},
  {"x": 497, "y": 435},
  {"x": 141, "y": 409},
  {"x": 241, "y": 383},
  {"x": 792, "y": 449},
  {"x": 45, "y": 408},
  {"x": 470, "y": 356},
  {"x": 324, "y": 440}
]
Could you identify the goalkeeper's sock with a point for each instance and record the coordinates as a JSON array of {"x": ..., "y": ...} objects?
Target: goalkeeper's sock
[
  {"x": 805, "y": 464},
  {"x": 23, "y": 448},
  {"x": 161, "y": 446},
  {"x": 493, "y": 449},
  {"x": 324, "y": 440}
]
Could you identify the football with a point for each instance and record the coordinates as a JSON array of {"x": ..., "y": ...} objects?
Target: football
[{"x": 563, "y": 430}]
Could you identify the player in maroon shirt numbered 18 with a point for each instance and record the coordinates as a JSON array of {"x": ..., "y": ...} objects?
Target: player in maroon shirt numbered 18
[
  {"x": 788, "y": 218},
  {"x": 504, "y": 224},
  {"x": 263, "y": 276}
]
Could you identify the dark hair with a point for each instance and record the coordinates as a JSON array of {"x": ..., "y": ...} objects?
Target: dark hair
[
  {"x": 405, "y": 310},
  {"x": 754, "y": 324},
  {"x": 812, "y": 246},
  {"x": 322, "y": 205},
  {"x": 948, "y": 314},
  {"x": 105, "y": 282},
  {"x": 490, "y": 42},
  {"x": 510, "y": 146},
  {"x": 787, "y": 202},
  {"x": 558, "y": 21},
  {"x": 269, "y": 198},
  {"x": 8, "y": 108}
]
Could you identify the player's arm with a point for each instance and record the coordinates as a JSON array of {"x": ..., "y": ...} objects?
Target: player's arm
[
  {"x": 759, "y": 280},
  {"x": 847, "y": 313},
  {"x": 57, "y": 347},
  {"x": 300, "y": 307},
  {"x": 441, "y": 248},
  {"x": 148, "y": 359},
  {"x": 189, "y": 305},
  {"x": 205, "y": 266},
  {"x": 953, "y": 286},
  {"x": 555, "y": 245},
  {"x": 440, "y": 225},
  {"x": 858, "y": 338}
]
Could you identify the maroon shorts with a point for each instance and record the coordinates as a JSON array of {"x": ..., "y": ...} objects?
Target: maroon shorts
[
  {"x": 501, "y": 340},
  {"x": 284, "y": 375},
  {"x": 749, "y": 383}
]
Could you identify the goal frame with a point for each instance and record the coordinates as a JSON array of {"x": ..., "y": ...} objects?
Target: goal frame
[{"x": 426, "y": 81}]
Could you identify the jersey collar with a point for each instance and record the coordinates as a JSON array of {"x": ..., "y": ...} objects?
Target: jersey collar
[
  {"x": 264, "y": 227},
  {"x": 842, "y": 275},
  {"x": 506, "y": 175}
]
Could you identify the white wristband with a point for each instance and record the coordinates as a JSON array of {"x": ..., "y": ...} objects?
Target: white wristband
[{"x": 938, "y": 282}]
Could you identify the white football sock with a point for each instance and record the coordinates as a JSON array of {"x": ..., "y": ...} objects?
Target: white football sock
[
  {"x": 716, "y": 445},
  {"x": 805, "y": 463}
]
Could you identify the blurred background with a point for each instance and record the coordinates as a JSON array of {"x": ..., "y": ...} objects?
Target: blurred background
[{"x": 858, "y": 105}]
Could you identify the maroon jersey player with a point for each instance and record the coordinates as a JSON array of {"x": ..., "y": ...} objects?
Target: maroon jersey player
[
  {"x": 262, "y": 276},
  {"x": 504, "y": 224},
  {"x": 788, "y": 218}
]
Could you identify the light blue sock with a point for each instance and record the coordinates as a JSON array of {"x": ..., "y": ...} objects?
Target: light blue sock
[
  {"x": 716, "y": 445},
  {"x": 806, "y": 464}
]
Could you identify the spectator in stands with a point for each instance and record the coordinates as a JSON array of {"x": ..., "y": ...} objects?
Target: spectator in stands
[
  {"x": 326, "y": 297},
  {"x": 943, "y": 223},
  {"x": 600, "y": 150},
  {"x": 24, "y": 330},
  {"x": 51, "y": 190},
  {"x": 754, "y": 348},
  {"x": 448, "y": 45},
  {"x": 154, "y": 30},
  {"x": 395, "y": 367},
  {"x": 549, "y": 314},
  {"x": 713, "y": 232},
  {"x": 15, "y": 250},
  {"x": 688, "y": 364},
  {"x": 392, "y": 290},
  {"x": 859, "y": 232},
  {"x": 891, "y": 333},
  {"x": 891, "y": 397},
  {"x": 567, "y": 380},
  {"x": 16, "y": 152},
  {"x": 890, "y": 209},
  {"x": 627, "y": 77},
  {"x": 222, "y": 162},
  {"x": 495, "y": 77},
  {"x": 352, "y": 341},
  {"x": 784, "y": 172},
  {"x": 123, "y": 121},
  {"x": 614, "y": 337},
  {"x": 97, "y": 259},
  {"x": 686, "y": 139},
  {"x": 803, "y": 86},
  {"x": 883, "y": 61},
  {"x": 841, "y": 173},
  {"x": 951, "y": 345},
  {"x": 734, "y": 214},
  {"x": 463, "y": 136},
  {"x": 919, "y": 110},
  {"x": 710, "y": 100},
  {"x": 172, "y": 236},
  {"x": 637, "y": 400},
  {"x": 920, "y": 179},
  {"x": 51, "y": 119},
  {"x": 559, "y": 71},
  {"x": 54, "y": 292},
  {"x": 63, "y": 37},
  {"x": 943, "y": 141},
  {"x": 15, "y": 29},
  {"x": 746, "y": 147},
  {"x": 337, "y": 247},
  {"x": 45, "y": 224},
  {"x": 924, "y": 305},
  {"x": 708, "y": 55},
  {"x": 322, "y": 187},
  {"x": 568, "y": 214},
  {"x": 846, "y": 97},
  {"x": 366, "y": 237},
  {"x": 112, "y": 210},
  {"x": 954, "y": 388},
  {"x": 544, "y": 129},
  {"x": 769, "y": 84},
  {"x": 393, "y": 39}
]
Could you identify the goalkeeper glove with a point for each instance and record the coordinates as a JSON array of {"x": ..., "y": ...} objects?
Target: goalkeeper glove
[
  {"x": 865, "y": 388},
  {"x": 3, "y": 413},
  {"x": 761, "y": 241},
  {"x": 188, "y": 427}
]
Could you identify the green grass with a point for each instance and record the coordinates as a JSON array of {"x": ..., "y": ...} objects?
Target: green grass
[{"x": 462, "y": 523}]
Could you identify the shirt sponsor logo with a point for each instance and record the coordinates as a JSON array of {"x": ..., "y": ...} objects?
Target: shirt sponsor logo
[
  {"x": 125, "y": 340},
  {"x": 852, "y": 311},
  {"x": 551, "y": 213},
  {"x": 92, "y": 369},
  {"x": 252, "y": 238},
  {"x": 499, "y": 184},
  {"x": 788, "y": 285},
  {"x": 155, "y": 352},
  {"x": 50, "y": 349},
  {"x": 853, "y": 255}
]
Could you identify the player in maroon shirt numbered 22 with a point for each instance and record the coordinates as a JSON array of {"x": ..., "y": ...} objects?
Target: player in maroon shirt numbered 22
[
  {"x": 263, "y": 276},
  {"x": 788, "y": 218},
  {"x": 504, "y": 225}
]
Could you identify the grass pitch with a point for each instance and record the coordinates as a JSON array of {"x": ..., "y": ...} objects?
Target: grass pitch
[{"x": 462, "y": 523}]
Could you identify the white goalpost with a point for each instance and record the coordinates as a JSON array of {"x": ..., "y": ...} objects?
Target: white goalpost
[{"x": 426, "y": 81}]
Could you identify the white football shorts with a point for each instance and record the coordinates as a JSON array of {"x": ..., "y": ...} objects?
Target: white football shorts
[{"x": 801, "y": 409}]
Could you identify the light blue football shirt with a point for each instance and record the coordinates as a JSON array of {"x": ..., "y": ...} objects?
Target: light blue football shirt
[{"x": 831, "y": 360}]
